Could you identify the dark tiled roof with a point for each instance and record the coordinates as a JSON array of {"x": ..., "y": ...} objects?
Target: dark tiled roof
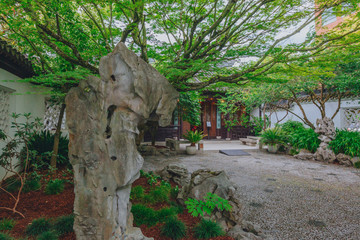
[{"x": 14, "y": 62}]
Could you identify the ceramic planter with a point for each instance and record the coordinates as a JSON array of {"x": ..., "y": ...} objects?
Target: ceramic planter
[
  {"x": 191, "y": 150},
  {"x": 272, "y": 148}
]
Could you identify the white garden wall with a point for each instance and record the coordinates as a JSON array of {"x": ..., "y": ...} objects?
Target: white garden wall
[
  {"x": 16, "y": 97},
  {"x": 341, "y": 120}
]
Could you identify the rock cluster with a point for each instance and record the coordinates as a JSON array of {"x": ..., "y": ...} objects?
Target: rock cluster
[
  {"x": 326, "y": 130},
  {"x": 199, "y": 184},
  {"x": 103, "y": 115}
]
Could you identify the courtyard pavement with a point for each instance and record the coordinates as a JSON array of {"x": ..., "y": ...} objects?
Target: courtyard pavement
[{"x": 288, "y": 198}]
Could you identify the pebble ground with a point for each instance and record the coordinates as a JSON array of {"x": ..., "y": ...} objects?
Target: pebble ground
[{"x": 290, "y": 199}]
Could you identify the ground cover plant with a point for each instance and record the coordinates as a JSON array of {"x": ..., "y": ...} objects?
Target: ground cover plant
[
  {"x": 346, "y": 142},
  {"x": 164, "y": 218}
]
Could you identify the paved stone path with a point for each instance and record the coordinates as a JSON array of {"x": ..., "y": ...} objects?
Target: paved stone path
[{"x": 288, "y": 198}]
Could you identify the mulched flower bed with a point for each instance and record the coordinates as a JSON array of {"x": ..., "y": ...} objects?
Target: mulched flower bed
[{"x": 37, "y": 204}]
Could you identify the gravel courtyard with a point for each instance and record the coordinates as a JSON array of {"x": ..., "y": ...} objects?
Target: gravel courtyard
[{"x": 288, "y": 198}]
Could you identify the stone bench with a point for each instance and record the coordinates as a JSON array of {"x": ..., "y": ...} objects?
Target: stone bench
[
  {"x": 174, "y": 144},
  {"x": 248, "y": 141}
]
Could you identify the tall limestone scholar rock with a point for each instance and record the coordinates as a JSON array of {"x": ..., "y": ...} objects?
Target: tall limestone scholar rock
[
  {"x": 326, "y": 130},
  {"x": 103, "y": 117}
]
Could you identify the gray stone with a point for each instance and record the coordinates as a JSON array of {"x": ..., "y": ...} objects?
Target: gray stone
[
  {"x": 103, "y": 115},
  {"x": 177, "y": 173},
  {"x": 305, "y": 155},
  {"x": 238, "y": 233},
  {"x": 251, "y": 227},
  {"x": 204, "y": 181},
  {"x": 344, "y": 159},
  {"x": 325, "y": 127},
  {"x": 354, "y": 160}
]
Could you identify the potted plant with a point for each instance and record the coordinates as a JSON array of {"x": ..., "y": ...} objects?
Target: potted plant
[
  {"x": 193, "y": 137},
  {"x": 273, "y": 138}
]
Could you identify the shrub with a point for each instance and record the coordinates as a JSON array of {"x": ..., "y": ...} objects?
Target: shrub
[
  {"x": 272, "y": 136},
  {"x": 174, "y": 192},
  {"x": 32, "y": 184},
  {"x": 143, "y": 215},
  {"x": 5, "y": 236},
  {"x": 55, "y": 186},
  {"x": 173, "y": 228},
  {"x": 7, "y": 224},
  {"x": 49, "y": 235},
  {"x": 164, "y": 213},
  {"x": 346, "y": 142},
  {"x": 64, "y": 224},
  {"x": 11, "y": 184},
  {"x": 38, "y": 226},
  {"x": 357, "y": 164},
  {"x": 290, "y": 127},
  {"x": 159, "y": 194},
  {"x": 194, "y": 136},
  {"x": 305, "y": 138},
  {"x": 207, "y": 229},
  {"x": 42, "y": 143},
  {"x": 137, "y": 193}
]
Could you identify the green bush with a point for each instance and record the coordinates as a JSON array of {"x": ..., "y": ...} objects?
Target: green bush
[
  {"x": 42, "y": 143},
  {"x": 38, "y": 226},
  {"x": 54, "y": 187},
  {"x": 64, "y": 224},
  {"x": 5, "y": 236},
  {"x": 357, "y": 164},
  {"x": 164, "y": 213},
  {"x": 346, "y": 142},
  {"x": 173, "y": 228},
  {"x": 159, "y": 194},
  {"x": 174, "y": 192},
  {"x": 137, "y": 193},
  {"x": 143, "y": 215},
  {"x": 272, "y": 136},
  {"x": 11, "y": 184},
  {"x": 305, "y": 138},
  {"x": 7, "y": 224},
  {"x": 49, "y": 235},
  {"x": 207, "y": 229},
  {"x": 32, "y": 184},
  {"x": 290, "y": 127}
]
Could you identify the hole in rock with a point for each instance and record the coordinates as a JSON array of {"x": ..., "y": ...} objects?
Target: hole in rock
[
  {"x": 113, "y": 158},
  {"x": 110, "y": 113},
  {"x": 105, "y": 188},
  {"x": 113, "y": 78}
]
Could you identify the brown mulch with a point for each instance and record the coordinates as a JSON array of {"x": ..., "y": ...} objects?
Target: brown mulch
[{"x": 37, "y": 204}]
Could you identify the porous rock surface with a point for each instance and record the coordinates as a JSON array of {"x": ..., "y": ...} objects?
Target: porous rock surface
[
  {"x": 103, "y": 115},
  {"x": 326, "y": 129}
]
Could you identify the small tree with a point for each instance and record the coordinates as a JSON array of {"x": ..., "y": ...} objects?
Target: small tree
[{"x": 11, "y": 152}]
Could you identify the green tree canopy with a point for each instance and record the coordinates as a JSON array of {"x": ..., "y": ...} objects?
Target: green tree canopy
[{"x": 191, "y": 42}]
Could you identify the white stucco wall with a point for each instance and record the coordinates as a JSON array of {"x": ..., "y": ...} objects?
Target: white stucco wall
[
  {"x": 313, "y": 113},
  {"x": 20, "y": 101}
]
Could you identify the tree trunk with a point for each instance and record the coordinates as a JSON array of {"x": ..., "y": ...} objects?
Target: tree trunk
[{"x": 57, "y": 137}]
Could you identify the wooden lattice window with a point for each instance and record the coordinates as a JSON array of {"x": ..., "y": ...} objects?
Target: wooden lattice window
[{"x": 51, "y": 117}]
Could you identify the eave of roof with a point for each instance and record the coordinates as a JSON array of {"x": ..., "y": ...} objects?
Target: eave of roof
[{"x": 14, "y": 62}]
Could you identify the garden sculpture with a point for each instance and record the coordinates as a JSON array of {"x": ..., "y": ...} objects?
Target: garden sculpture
[
  {"x": 326, "y": 130},
  {"x": 102, "y": 116}
]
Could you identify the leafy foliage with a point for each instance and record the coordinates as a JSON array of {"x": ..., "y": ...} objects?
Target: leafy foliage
[
  {"x": 165, "y": 213},
  {"x": 38, "y": 226},
  {"x": 194, "y": 136},
  {"x": 42, "y": 144},
  {"x": 54, "y": 187},
  {"x": 143, "y": 215},
  {"x": 346, "y": 142},
  {"x": 7, "y": 224},
  {"x": 272, "y": 136},
  {"x": 159, "y": 194},
  {"x": 203, "y": 37},
  {"x": 137, "y": 193},
  {"x": 152, "y": 178},
  {"x": 357, "y": 164},
  {"x": 305, "y": 138},
  {"x": 211, "y": 201},
  {"x": 64, "y": 224},
  {"x": 189, "y": 107},
  {"x": 290, "y": 127},
  {"x": 48, "y": 235},
  {"x": 207, "y": 229},
  {"x": 173, "y": 228},
  {"x": 5, "y": 236}
]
